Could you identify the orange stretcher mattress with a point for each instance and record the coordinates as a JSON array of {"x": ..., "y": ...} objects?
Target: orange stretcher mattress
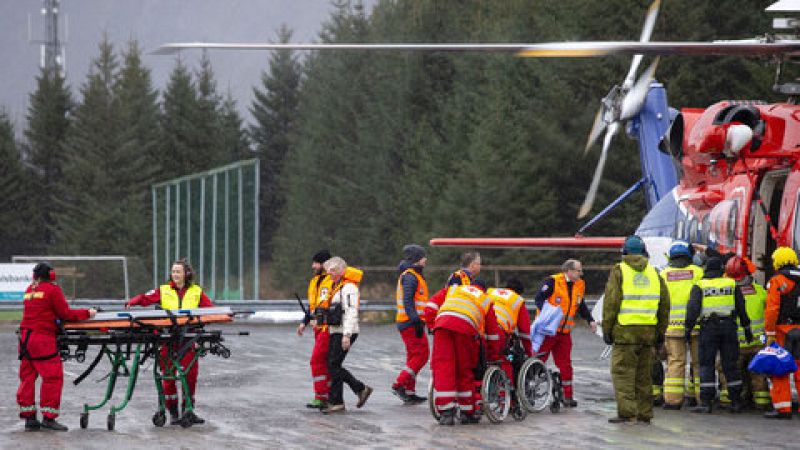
[{"x": 154, "y": 322}]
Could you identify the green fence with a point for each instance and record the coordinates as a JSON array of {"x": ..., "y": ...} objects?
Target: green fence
[{"x": 210, "y": 218}]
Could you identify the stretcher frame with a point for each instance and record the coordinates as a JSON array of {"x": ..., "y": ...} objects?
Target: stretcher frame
[{"x": 128, "y": 339}]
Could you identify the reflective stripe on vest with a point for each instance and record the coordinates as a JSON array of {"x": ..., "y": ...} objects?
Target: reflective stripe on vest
[
  {"x": 717, "y": 296},
  {"x": 755, "y": 302},
  {"x": 507, "y": 304},
  {"x": 679, "y": 283},
  {"x": 420, "y": 297},
  {"x": 468, "y": 303},
  {"x": 170, "y": 300},
  {"x": 641, "y": 292},
  {"x": 568, "y": 304}
]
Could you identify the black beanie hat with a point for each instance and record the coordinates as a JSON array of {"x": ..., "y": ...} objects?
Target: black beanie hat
[
  {"x": 321, "y": 256},
  {"x": 714, "y": 264},
  {"x": 413, "y": 253}
]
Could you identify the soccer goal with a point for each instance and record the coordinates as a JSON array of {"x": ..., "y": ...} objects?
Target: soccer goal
[{"x": 81, "y": 276}]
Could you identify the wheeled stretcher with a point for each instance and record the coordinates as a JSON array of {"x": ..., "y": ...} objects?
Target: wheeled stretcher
[{"x": 128, "y": 338}]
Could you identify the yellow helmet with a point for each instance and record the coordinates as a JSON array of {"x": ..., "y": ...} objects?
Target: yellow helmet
[{"x": 784, "y": 256}]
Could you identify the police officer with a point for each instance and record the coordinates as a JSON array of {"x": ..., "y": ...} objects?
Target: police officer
[
  {"x": 716, "y": 301},
  {"x": 679, "y": 276},
  {"x": 782, "y": 324},
  {"x": 754, "y": 386},
  {"x": 635, "y": 315}
]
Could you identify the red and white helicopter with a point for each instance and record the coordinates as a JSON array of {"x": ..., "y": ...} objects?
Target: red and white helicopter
[{"x": 727, "y": 175}]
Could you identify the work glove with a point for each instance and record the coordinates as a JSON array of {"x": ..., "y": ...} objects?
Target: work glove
[
  {"x": 419, "y": 327},
  {"x": 748, "y": 335},
  {"x": 608, "y": 338}
]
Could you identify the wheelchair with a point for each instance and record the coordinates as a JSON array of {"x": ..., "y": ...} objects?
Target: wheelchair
[
  {"x": 495, "y": 390},
  {"x": 533, "y": 387}
]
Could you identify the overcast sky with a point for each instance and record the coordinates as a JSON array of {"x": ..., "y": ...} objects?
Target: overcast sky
[{"x": 151, "y": 22}]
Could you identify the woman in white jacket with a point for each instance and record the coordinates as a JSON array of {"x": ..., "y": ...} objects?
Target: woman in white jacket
[{"x": 344, "y": 297}]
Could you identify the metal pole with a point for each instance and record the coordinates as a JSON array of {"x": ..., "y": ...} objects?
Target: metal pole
[
  {"x": 202, "y": 227},
  {"x": 214, "y": 239},
  {"x": 177, "y": 221},
  {"x": 189, "y": 219},
  {"x": 125, "y": 270},
  {"x": 155, "y": 236},
  {"x": 227, "y": 231},
  {"x": 167, "y": 217},
  {"x": 256, "y": 230},
  {"x": 241, "y": 238}
]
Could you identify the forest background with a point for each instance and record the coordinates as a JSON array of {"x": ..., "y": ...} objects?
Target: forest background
[{"x": 363, "y": 152}]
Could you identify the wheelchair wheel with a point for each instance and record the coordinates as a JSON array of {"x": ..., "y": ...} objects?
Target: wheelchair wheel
[
  {"x": 534, "y": 386},
  {"x": 432, "y": 402},
  {"x": 496, "y": 394}
]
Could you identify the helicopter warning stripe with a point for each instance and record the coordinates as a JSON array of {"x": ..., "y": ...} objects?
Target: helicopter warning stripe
[
  {"x": 746, "y": 47},
  {"x": 544, "y": 243}
]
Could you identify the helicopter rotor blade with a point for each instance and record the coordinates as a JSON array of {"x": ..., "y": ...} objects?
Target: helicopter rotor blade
[
  {"x": 635, "y": 98},
  {"x": 598, "y": 127},
  {"x": 647, "y": 31},
  {"x": 598, "y": 172}
]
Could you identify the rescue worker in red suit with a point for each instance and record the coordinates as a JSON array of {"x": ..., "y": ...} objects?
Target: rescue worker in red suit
[
  {"x": 43, "y": 305},
  {"x": 470, "y": 268},
  {"x": 465, "y": 315},
  {"x": 566, "y": 290},
  {"x": 513, "y": 318},
  {"x": 318, "y": 289},
  {"x": 412, "y": 296},
  {"x": 782, "y": 324},
  {"x": 179, "y": 293}
]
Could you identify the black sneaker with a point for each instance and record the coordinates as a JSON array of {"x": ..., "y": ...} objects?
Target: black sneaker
[
  {"x": 702, "y": 409},
  {"x": 416, "y": 399},
  {"x": 400, "y": 392},
  {"x": 622, "y": 420},
  {"x": 31, "y": 424},
  {"x": 363, "y": 396},
  {"x": 194, "y": 418},
  {"x": 51, "y": 424},
  {"x": 570, "y": 403}
]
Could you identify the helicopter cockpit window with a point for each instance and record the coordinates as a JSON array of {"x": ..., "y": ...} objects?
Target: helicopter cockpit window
[{"x": 724, "y": 219}]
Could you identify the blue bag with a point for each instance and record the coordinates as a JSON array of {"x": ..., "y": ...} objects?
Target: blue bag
[{"x": 773, "y": 360}]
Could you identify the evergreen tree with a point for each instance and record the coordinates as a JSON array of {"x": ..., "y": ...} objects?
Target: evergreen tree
[
  {"x": 16, "y": 207},
  {"x": 275, "y": 112},
  {"x": 233, "y": 137},
  {"x": 180, "y": 105},
  {"x": 47, "y": 126}
]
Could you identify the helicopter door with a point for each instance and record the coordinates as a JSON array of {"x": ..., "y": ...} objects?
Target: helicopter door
[{"x": 771, "y": 192}]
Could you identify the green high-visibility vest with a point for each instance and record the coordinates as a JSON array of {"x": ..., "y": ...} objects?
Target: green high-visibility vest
[
  {"x": 641, "y": 292},
  {"x": 755, "y": 300},
  {"x": 679, "y": 281},
  {"x": 718, "y": 297}
]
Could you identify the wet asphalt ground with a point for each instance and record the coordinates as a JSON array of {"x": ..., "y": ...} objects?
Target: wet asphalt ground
[{"x": 256, "y": 399}]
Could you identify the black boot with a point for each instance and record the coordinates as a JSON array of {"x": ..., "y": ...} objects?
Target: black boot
[
  {"x": 702, "y": 409},
  {"x": 31, "y": 424},
  {"x": 51, "y": 424},
  {"x": 774, "y": 414},
  {"x": 196, "y": 420}
]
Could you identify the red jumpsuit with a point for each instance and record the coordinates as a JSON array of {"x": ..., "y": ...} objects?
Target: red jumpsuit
[
  {"x": 781, "y": 390},
  {"x": 170, "y": 389},
  {"x": 43, "y": 305},
  {"x": 455, "y": 355}
]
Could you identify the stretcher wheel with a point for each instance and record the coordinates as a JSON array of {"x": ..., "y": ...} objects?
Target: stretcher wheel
[
  {"x": 432, "y": 401},
  {"x": 84, "y": 420},
  {"x": 110, "y": 422},
  {"x": 534, "y": 386},
  {"x": 159, "y": 418},
  {"x": 496, "y": 394}
]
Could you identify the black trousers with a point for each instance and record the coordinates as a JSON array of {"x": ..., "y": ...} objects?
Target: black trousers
[
  {"x": 719, "y": 335},
  {"x": 339, "y": 375}
]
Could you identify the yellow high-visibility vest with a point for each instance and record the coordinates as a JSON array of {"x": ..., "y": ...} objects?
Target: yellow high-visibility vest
[
  {"x": 170, "y": 300},
  {"x": 641, "y": 292}
]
